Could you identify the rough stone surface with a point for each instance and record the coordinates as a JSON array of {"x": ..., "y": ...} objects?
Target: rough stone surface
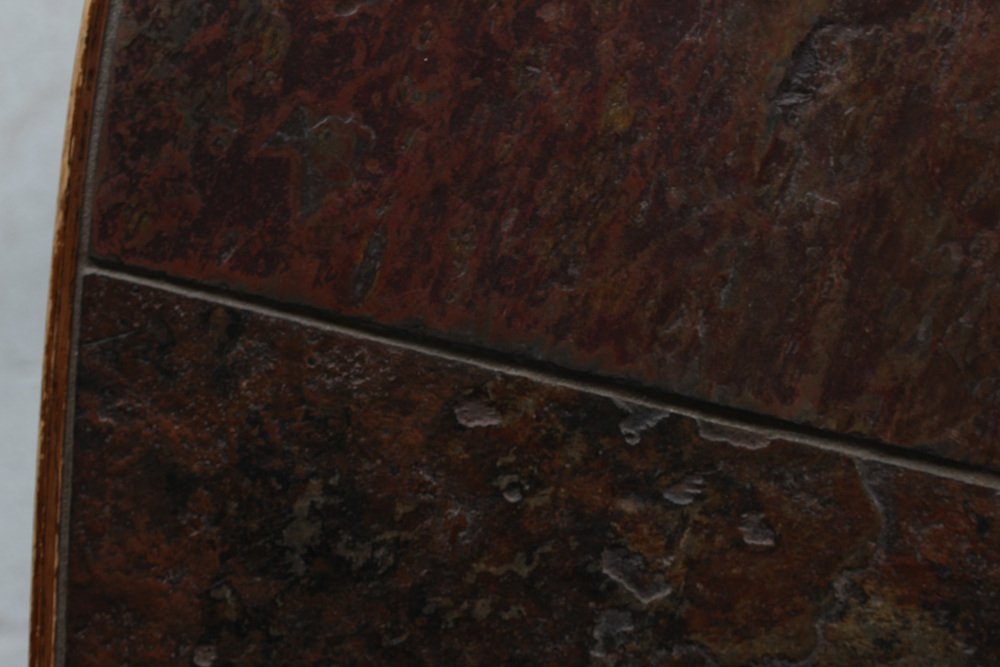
[
  {"x": 789, "y": 207},
  {"x": 251, "y": 491}
]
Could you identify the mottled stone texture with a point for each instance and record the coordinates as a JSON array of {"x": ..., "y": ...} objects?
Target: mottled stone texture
[
  {"x": 250, "y": 491},
  {"x": 788, "y": 206}
]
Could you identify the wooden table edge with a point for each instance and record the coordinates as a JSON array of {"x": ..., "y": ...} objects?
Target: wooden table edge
[{"x": 56, "y": 370}]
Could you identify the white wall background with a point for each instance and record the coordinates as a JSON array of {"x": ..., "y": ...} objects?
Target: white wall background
[{"x": 37, "y": 48}]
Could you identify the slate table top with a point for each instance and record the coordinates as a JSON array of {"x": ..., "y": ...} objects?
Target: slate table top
[{"x": 536, "y": 333}]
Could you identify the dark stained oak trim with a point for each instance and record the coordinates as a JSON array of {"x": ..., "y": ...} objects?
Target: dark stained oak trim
[{"x": 59, "y": 336}]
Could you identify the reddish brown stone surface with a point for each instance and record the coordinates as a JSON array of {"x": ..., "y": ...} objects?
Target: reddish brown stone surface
[
  {"x": 789, "y": 207},
  {"x": 938, "y": 538},
  {"x": 251, "y": 491}
]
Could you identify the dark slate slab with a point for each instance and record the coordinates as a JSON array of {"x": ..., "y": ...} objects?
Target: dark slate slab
[{"x": 254, "y": 491}]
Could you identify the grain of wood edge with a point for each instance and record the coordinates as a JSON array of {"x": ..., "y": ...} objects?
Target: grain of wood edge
[{"x": 59, "y": 336}]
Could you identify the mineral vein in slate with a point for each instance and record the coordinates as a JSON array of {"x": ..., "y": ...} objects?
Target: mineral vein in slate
[
  {"x": 250, "y": 491},
  {"x": 789, "y": 207}
]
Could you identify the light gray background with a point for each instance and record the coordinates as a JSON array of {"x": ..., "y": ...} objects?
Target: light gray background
[{"x": 37, "y": 48}]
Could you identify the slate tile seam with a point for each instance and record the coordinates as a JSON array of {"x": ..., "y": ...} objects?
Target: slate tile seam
[{"x": 617, "y": 389}]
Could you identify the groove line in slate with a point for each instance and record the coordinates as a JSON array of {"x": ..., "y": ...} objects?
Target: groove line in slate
[{"x": 764, "y": 426}]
